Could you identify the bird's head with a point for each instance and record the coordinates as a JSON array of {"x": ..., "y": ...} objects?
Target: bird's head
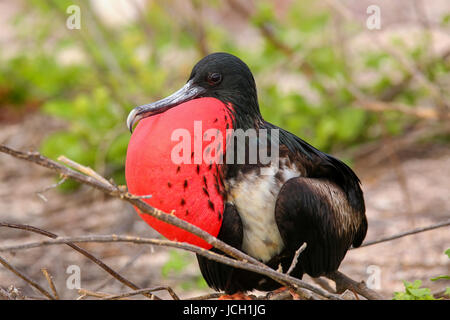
[{"x": 219, "y": 75}]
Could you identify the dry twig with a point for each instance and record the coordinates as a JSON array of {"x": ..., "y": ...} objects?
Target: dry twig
[
  {"x": 40, "y": 194},
  {"x": 295, "y": 259},
  {"x": 142, "y": 291},
  {"x": 100, "y": 263},
  {"x": 50, "y": 282},
  {"x": 208, "y": 296},
  {"x": 441, "y": 224},
  {"x": 343, "y": 282},
  {"x": 88, "y": 293},
  {"x": 293, "y": 282},
  {"x": 26, "y": 278},
  {"x": 245, "y": 261}
]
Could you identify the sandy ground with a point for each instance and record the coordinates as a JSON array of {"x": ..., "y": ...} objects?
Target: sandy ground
[{"x": 391, "y": 209}]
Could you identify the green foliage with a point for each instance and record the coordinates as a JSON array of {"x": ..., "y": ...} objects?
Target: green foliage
[
  {"x": 118, "y": 67},
  {"x": 197, "y": 283},
  {"x": 446, "y": 277},
  {"x": 413, "y": 290},
  {"x": 176, "y": 263},
  {"x": 446, "y": 20},
  {"x": 440, "y": 277}
]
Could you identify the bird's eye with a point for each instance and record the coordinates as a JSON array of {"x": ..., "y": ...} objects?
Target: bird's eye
[{"x": 214, "y": 78}]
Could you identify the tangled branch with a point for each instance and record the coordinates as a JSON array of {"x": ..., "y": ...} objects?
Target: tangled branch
[
  {"x": 233, "y": 257},
  {"x": 241, "y": 260}
]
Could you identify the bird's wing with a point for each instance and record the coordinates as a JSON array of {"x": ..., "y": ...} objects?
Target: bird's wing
[
  {"x": 317, "y": 164},
  {"x": 317, "y": 211}
]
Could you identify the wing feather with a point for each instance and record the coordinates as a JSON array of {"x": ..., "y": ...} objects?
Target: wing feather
[{"x": 317, "y": 211}]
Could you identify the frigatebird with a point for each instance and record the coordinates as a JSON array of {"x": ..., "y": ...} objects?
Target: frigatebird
[{"x": 266, "y": 209}]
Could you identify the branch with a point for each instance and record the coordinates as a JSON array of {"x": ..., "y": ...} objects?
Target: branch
[
  {"x": 50, "y": 282},
  {"x": 419, "y": 112},
  {"x": 343, "y": 282},
  {"x": 409, "y": 66},
  {"x": 208, "y": 296},
  {"x": 88, "y": 293},
  {"x": 83, "y": 169},
  {"x": 250, "y": 263},
  {"x": 26, "y": 279},
  {"x": 40, "y": 194},
  {"x": 277, "y": 276},
  {"x": 268, "y": 33},
  {"x": 101, "y": 264},
  {"x": 118, "y": 192},
  {"x": 406, "y": 233},
  {"x": 128, "y": 264},
  {"x": 244, "y": 261},
  {"x": 362, "y": 102},
  {"x": 295, "y": 259},
  {"x": 142, "y": 291}
]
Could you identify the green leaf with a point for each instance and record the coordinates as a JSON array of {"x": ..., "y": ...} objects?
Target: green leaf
[
  {"x": 440, "y": 277},
  {"x": 201, "y": 283},
  {"x": 264, "y": 13},
  {"x": 177, "y": 262},
  {"x": 446, "y": 277},
  {"x": 59, "y": 108},
  {"x": 350, "y": 123},
  {"x": 373, "y": 60},
  {"x": 446, "y": 20},
  {"x": 69, "y": 144},
  {"x": 420, "y": 293},
  {"x": 414, "y": 292},
  {"x": 118, "y": 149}
]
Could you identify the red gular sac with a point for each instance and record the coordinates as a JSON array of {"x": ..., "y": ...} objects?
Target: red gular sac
[{"x": 176, "y": 157}]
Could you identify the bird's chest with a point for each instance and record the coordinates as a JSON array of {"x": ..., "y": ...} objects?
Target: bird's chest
[{"x": 254, "y": 197}]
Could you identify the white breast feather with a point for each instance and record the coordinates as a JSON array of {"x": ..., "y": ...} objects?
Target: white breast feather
[{"x": 254, "y": 197}]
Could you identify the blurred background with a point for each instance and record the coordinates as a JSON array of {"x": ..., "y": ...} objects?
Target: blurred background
[{"x": 374, "y": 92}]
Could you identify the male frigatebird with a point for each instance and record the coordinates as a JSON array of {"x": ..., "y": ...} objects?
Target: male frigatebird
[{"x": 266, "y": 209}]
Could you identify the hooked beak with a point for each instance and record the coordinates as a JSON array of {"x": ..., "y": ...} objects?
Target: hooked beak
[{"x": 188, "y": 92}]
